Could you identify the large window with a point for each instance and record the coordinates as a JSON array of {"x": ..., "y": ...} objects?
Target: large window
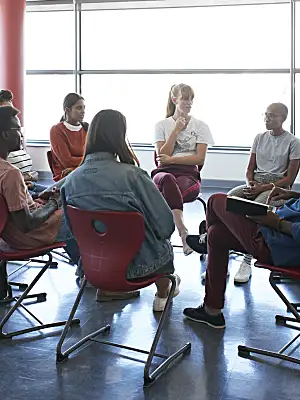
[
  {"x": 237, "y": 59},
  {"x": 49, "y": 40},
  {"x": 232, "y": 105},
  {"x": 187, "y": 38},
  {"x": 44, "y": 96}
]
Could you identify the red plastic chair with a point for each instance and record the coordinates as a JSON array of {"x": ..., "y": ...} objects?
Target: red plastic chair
[
  {"x": 105, "y": 258},
  {"x": 50, "y": 160},
  {"x": 277, "y": 275},
  {"x": 9, "y": 254}
]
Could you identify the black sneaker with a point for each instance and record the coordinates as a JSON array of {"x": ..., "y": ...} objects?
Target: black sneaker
[
  {"x": 198, "y": 243},
  {"x": 200, "y": 315}
]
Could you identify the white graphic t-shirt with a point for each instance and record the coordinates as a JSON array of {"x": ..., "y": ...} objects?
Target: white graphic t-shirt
[{"x": 187, "y": 140}]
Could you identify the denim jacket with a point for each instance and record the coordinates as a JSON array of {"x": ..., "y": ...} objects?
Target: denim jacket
[{"x": 103, "y": 183}]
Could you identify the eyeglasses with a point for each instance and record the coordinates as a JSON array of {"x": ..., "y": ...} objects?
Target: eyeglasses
[{"x": 271, "y": 115}]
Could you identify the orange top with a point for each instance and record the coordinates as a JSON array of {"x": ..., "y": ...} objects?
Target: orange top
[{"x": 67, "y": 148}]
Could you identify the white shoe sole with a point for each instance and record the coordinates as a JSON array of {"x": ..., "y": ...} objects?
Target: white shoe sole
[
  {"x": 237, "y": 280},
  {"x": 188, "y": 251},
  {"x": 206, "y": 323}
]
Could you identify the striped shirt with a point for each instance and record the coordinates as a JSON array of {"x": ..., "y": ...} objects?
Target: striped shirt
[{"x": 21, "y": 160}]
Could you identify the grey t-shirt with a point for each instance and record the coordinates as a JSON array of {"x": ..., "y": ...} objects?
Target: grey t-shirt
[{"x": 273, "y": 153}]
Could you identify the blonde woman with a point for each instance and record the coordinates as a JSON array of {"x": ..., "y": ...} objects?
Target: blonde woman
[{"x": 181, "y": 143}]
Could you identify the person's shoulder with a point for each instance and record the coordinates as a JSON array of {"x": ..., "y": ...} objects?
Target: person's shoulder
[
  {"x": 134, "y": 172},
  {"x": 263, "y": 135},
  {"x": 9, "y": 172},
  {"x": 58, "y": 127},
  {"x": 18, "y": 153},
  {"x": 164, "y": 122},
  {"x": 292, "y": 137},
  {"x": 199, "y": 123}
]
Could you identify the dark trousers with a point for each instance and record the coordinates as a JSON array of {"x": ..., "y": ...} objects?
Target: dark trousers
[
  {"x": 227, "y": 231},
  {"x": 177, "y": 189}
]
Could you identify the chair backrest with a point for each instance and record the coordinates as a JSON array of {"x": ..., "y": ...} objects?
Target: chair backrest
[
  {"x": 4, "y": 214},
  {"x": 50, "y": 160},
  {"x": 106, "y": 255}
]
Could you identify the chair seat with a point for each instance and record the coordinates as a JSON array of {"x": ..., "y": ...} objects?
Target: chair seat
[
  {"x": 292, "y": 272},
  {"x": 8, "y": 253}
]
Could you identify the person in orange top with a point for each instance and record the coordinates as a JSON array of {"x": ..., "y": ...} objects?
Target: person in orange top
[{"x": 68, "y": 138}]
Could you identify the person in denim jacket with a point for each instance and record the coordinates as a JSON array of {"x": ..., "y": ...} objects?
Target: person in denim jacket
[{"x": 110, "y": 179}]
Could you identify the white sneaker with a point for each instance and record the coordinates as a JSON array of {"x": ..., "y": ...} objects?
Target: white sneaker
[
  {"x": 203, "y": 275},
  {"x": 159, "y": 303},
  {"x": 243, "y": 274}
]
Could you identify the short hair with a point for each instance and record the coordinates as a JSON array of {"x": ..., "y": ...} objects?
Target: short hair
[
  {"x": 6, "y": 96},
  {"x": 6, "y": 114},
  {"x": 283, "y": 109}
]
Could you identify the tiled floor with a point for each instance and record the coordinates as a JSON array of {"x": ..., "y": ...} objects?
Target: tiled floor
[{"x": 212, "y": 371}]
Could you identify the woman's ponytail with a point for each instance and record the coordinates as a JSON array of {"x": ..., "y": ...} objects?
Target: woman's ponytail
[{"x": 170, "y": 105}]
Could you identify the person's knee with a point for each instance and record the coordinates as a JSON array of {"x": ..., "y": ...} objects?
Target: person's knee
[
  {"x": 168, "y": 179},
  {"x": 263, "y": 197},
  {"x": 216, "y": 200},
  {"x": 164, "y": 180}
]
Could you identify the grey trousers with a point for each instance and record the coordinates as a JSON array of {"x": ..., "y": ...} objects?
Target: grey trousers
[{"x": 262, "y": 197}]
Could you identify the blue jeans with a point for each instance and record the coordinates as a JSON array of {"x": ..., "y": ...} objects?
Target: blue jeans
[
  {"x": 65, "y": 235},
  {"x": 36, "y": 189}
]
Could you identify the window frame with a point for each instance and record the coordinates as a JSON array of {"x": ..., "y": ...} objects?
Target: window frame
[{"x": 78, "y": 72}]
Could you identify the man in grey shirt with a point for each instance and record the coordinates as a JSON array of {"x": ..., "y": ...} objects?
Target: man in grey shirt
[{"x": 274, "y": 161}]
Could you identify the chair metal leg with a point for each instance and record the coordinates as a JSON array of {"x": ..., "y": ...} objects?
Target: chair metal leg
[
  {"x": 4, "y": 287},
  {"x": 289, "y": 305},
  {"x": 148, "y": 377},
  {"x": 63, "y": 255},
  {"x": 203, "y": 203},
  {"x": 244, "y": 351},
  {"x": 60, "y": 355},
  {"x": 26, "y": 295}
]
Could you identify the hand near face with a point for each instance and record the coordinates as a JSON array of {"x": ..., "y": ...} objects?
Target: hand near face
[{"x": 180, "y": 124}]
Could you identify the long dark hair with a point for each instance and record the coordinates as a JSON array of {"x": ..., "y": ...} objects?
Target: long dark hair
[
  {"x": 107, "y": 133},
  {"x": 69, "y": 102},
  {"x": 183, "y": 90}
]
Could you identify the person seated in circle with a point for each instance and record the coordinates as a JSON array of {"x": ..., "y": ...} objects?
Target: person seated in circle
[
  {"x": 20, "y": 158},
  {"x": 272, "y": 239},
  {"x": 68, "y": 138},
  {"x": 31, "y": 224},
  {"x": 181, "y": 143},
  {"x": 274, "y": 161},
  {"x": 116, "y": 183}
]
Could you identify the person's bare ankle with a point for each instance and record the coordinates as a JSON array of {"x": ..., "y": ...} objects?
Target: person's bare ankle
[
  {"x": 162, "y": 295},
  {"x": 212, "y": 311}
]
